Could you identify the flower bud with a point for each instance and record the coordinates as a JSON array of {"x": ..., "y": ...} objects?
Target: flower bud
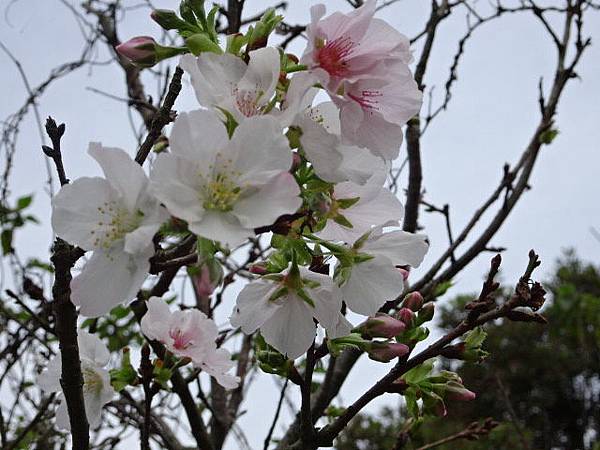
[
  {"x": 381, "y": 325},
  {"x": 426, "y": 312},
  {"x": 168, "y": 20},
  {"x": 258, "y": 269},
  {"x": 457, "y": 392},
  {"x": 406, "y": 316},
  {"x": 386, "y": 351},
  {"x": 141, "y": 51},
  {"x": 413, "y": 301},
  {"x": 296, "y": 161},
  {"x": 203, "y": 285}
]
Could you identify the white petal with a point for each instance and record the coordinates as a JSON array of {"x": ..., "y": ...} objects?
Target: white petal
[
  {"x": 92, "y": 348},
  {"x": 276, "y": 198},
  {"x": 221, "y": 226},
  {"x": 342, "y": 327},
  {"x": 49, "y": 379},
  {"x": 327, "y": 298},
  {"x": 290, "y": 329},
  {"x": 371, "y": 284},
  {"x": 259, "y": 150},
  {"x": 140, "y": 239},
  {"x": 176, "y": 182},
  {"x": 400, "y": 247},
  {"x": 62, "y": 415},
  {"x": 217, "y": 364},
  {"x": 93, "y": 409},
  {"x": 253, "y": 307},
  {"x": 198, "y": 136},
  {"x": 156, "y": 322},
  {"x": 298, "y": 98},
  {"x": 262, "y": 73},
  {"x": 75, "y": 214},
  {"x": 383, "y": 208},
  {"x": 213, "y": 76},
  {"x": 107, "y": 280},
  {"x": 358, "y": 164},
  {"x": 125, "y": 175}
]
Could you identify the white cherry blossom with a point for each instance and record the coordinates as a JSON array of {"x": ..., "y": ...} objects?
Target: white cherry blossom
[
  {"x": 190, "y": 334},
  {"x": 375, "y": 280},
  {"x": 225, "y": 188},
  {"x": 97, "y": 390},
  {"x": 226, "y": 82},
  {"x": 116, "y": 217},
  {"x": 356, "y": 209},
  {"x": 283, "y": 309}
]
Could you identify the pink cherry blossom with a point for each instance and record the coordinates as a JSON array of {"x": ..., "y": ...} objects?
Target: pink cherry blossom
[{"x": 189, "y": 334}]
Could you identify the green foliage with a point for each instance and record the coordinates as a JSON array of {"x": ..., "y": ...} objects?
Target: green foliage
[{"x": 13, "y": 218}]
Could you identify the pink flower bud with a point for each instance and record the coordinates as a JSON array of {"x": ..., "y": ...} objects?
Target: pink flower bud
[
  {"x": 413, "y": 301},
  {"x": 202, "y": 282},
  {"x": 382, "y": 325},
  {"x": 258, "y": 269},
  {"x": 385, "y": 352},
  {"x": 461, "y": 394},
  {"x": 140, "y": 50},
  {"x": 296, "y": 161},
  {"x": 406, "y": 316}
]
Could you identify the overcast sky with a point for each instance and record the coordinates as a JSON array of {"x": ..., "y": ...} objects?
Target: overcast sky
[{"x": 490, "y": 119}]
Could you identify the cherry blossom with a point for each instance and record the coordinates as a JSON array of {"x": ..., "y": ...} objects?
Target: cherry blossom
[
  {"x": 97, "y": 390},
  {"x": 283, "y": 307},
  {"x": 225, "y": 188},
  {"x": 226, "y": 82},
  {"x": 370, "y": 281},
  {"x": 189, "y": 334},
  {"x": 348, "y": 47},
  {"x": 116, "y": 217},
  {"x": 356, "y": 209}
]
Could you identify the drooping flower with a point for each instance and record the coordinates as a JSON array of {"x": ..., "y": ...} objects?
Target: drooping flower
[
  {"x": 97, "y": 390},
  {"x": 371, "y": 280},
  {"x": 225, "y": 188},
  {"x": 355, "y": 209},
  {"x": 283, "y": 308},
  {"x": 347, "y": 47},
  {"x": 116, "y": 217},
  {"x": 226, "y": 82},
  {"x": 189, "y": 334}
]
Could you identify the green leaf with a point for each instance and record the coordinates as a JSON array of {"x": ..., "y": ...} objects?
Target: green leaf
[
  {"x": 419, "y": 373},
  {"x": 201, "y": 42},
  {"x": 341, "y": 220},
  {"x": 346, "y": 203},
  {"x": 548, "y": 136},
  {"x": 24, "y": 202},
  {"x": 6, "y": 238}
]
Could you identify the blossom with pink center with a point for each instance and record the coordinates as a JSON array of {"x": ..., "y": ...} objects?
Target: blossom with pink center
[
  {"x": 373, "y": 111},
  {"x": 189, "y": 334},
  {"x": 226, "y": 82},
  {"x": 347, "y": 47}
]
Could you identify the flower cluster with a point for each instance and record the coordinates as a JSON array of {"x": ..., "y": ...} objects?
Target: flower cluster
[{"x": 260, "y": 156}]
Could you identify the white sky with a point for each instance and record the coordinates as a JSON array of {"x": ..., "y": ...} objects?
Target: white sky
[{"x": 493, "y": 112}]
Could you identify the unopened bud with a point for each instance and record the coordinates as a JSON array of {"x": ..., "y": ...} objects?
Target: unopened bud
[
  {"x": 292, "y": 57},
  {"x": 413, "y": 301},
  {"x": 405, "y": 273},
  {"x": 457, "y": 392},
  {"x": 139, "y": 50},
  {"x": 456, "y": 351},
  {"x": 426, "y": 313},
  {"x": 296, "y": 161},
  {"x": 203, "y": 284},
  {"x": 385, "y": 352},
  {"x": 406, "y": 316},
  {"x": 168, "y": 20},
  {"x": 381, "y": 325},
  {"x": 258, "y": 269}
]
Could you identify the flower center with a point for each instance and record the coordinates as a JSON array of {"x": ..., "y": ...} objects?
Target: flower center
[
  {"x": 220, "y": 193},
  {"x": 367, "y": 99},
  {"x": 332, "y": 56},
  {"x": 114, "y": 224},
  {"x": 92, "y": 381},
  {"x": 181, "y": 341},
  {"x": 247, "y": 102}
]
